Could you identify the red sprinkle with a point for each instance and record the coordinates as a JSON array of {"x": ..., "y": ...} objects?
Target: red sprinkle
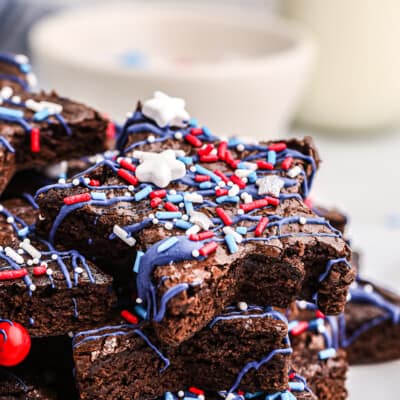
[
  {"x": 41, "y": 270},
  {"x": 155, "y": 202},
  {"x": 221, "y": 192},
  {"x": 319, "y": 314},
  {"x": 124, "y": 174},
  {"x": 35, "y": 140},
  {"x": 158, "y": 193},
  {"x": 277, "y": 146},
  {"x": 292, "y": 375},
  {"x": 209, "y": 158},
  {"x": 110, "y": 131},
  {"x": 230, "y": 160},
  {"x": 273, "y": 201},
  {"x": 170, "y": 207},
  {"x": 202, "y": 178},
  {"x": 196, "y": 131},
  {"x": 196, "y": 390},
  {"x": 127, "y": 165},
  {"x": 201, "y": 236},
  {"x": 128, "y": 316},
  {"x": 264, "y": 165},
  {"x": 77, "y": 198},
  {"x": 208, "y": 248},
  {"x": 240, "y": 392},
  {"x": 287, "y": 163},
  {"x": 301, "y": 327},
  {"x": 222, "y": 148},
  {"x": 254, "y": 204},
  {"x": 205, "y": 150},
  {"x": 193, "y": 140},
  {"x": 308, "y": 202},
  {"x": 261, "y": 226},
  {"x": 221, "y": 175},
  {"x": 226, "y": 219},
  {"x": 238, "y": 181},
  {"x": 94, "y": 182},
  {"x": 13, "y": 274}
]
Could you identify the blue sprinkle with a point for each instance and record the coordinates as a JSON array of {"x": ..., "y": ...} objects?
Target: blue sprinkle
[
  {"x": 227, "y": 199},
  {"x": 327, "y": 353},
  {"x": 292, "y": 324},
  {"x": 231, "y": 243},
  {"x": 271, "y": 157},
  {"x": 142, "y": 194},
  {"x": 234, "y": 141},
  {"x": 31, "y": 321},
  {"x": 193, "y": 122},
  {"x": 168, "y": 396},
  {"x": 185, "y": 160},
  {"x": 167, "y": 244},
  {"x": 188, "y": 206},
  {"x": 242, "y": 230},
  {"x": 315, "y": 323},
  {"x": 23, "y": 232},
  {"x": 139, "y": 310},
  {"x": 136, "y": 265},
  {"x": 11, "y": 112},
  {"x": 168, "y": 214},
  {"x": 252, "y": 177},
  {"x": 182, "y": 224},
  {"x": 206, "y": 185},
  {"x": 174, "y": 198},
  {"x": 296, "y": 386},
  {"x": 207, "y": 132},
  {"x": 98, "y": 195},
  {"x": 204, "y": 171},
  {"x": 25, "y": 68},
  {"x": 41, "y": 115},
  {"x": 248, "y": 395}
]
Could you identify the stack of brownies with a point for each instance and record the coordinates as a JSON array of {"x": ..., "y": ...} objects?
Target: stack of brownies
[{"x": 169, "y": 265}]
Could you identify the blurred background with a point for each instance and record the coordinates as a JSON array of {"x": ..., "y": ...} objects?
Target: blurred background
[{"x": 254, "y": 68}]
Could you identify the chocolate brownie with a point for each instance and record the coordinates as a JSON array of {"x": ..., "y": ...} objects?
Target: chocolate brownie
[
  {"x": 316, "y": 353},
  {"x": 47, "y": 373},
  {"x": 200, "y": 244},
  {"x": 15, "y": 74},
  {"x": 370, "y": 326},
  {"x": 337, "y": 218},
  {"x": 37, "y": 130},
  {"x": 49, "y": 291},
  {"x": 239, "y": 348}
]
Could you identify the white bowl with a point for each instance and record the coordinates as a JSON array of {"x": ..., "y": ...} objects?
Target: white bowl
[{"x": 239, "y": 73}]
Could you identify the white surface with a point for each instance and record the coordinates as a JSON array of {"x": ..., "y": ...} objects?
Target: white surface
[
  {"x": 244, "y": 71},
  {"x": 356, "y": 83},
  {"x": 361, "y": 177}
]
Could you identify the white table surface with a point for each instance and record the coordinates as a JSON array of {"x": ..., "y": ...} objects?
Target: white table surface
[{"x": 362, "y": 177}]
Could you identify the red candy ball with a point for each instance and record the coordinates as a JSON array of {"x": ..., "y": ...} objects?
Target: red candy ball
[{"x": 15, "y": 346}]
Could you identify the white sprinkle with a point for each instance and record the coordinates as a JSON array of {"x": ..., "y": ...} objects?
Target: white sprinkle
[
  {"x": 155, "y": 221},
  {"x": 61, "y": 181},
  {"x": 181, "y": 393},
  {"x": 49, "y": 271},
  {"x": 302, "y": 220},
  {"x": 181, "y": 205},
  {"x": 54, "y": 256},
  {"x": 248, "y": 199},
  {"x": 6, "y": 92},
  {"x": 228, "y": 230},
  {"x": 31, "y": 250},
  {"x": 1, "y": 207},
  {"x": 321, "y": 328},
  {"x": 16, "y": 99},
  {"x": 86, "y": 180},
  {"x": 293, "y": 172},
  {"x": 70, "y": 334},
  {"x": 230, "y": 183},
  {"x": 172, "y": 191},
  {"x": 78, "y": 270},
  {"x": 192, "y": 168},
  {"x": 151, "y": 215},
  {"x": 270, "y": 184},
  {"x": 41, "y": 217},
  {"x": 240, "y": 211},
  {"x": 123, "y": 235},
  {"x": 14, "y": 255},
  {"x": 368, "y": 288},
  {"x": 29, "y": 262},
  {"x": 36, "y": 261},
  {"x": 127, "y": 194},
  {"x": 242, "y": 173},
  {"x": 151, "y": 139},
  {"x": 21, "y": 59},
  {"x": 10, "y": 220},
  {"x": 195, "y": 253},
  {"x": 192, "y": 230},
  {"x": 139, "y": 300},
  {"x": 234, "y": 190},
  {"x": 242, "y": 306},
  {"x": 31, "y": 79},
  {"x": 245, "y": 180},
  {"x": 20, "y": 251},
  {"x": 230, "y": 396},
  {"x": 201, "y": 397},
  {"x": 201, "y": 219},
  {"x": 178, "y": 135},
  {"x": 131, "y": 188},
  {"x": 169, "y": 225},
  {"x": 240, "y": 147},
  {"x": 75, "y": 182},
  {"x": 302, "y": 304},
  {"x": 32, "y": 287},
  {"x": 185, "y": 217},
  {"x": 194, "y": 197}
]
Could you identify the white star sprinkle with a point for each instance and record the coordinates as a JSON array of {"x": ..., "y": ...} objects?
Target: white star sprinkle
[
  {"x": 271, "y": 185},
  {"x": 201, "y": 220},
  {"x": 165, "y": 110},
  {"x": 159, "y": 168}
]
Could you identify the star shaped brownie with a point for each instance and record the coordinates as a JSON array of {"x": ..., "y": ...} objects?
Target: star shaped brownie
[{"x": 234, "y": 228}]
